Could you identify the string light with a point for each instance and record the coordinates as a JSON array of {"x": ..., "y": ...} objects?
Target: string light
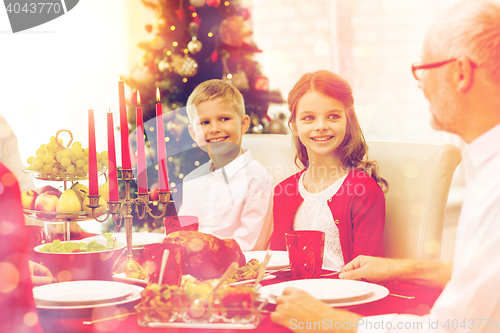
[
  {"x": 183, "y": 80},
  {"x": 169, "y": 53},
  {"x": 210, "y": 34},
  {"x": 167, "y": 139},
  {"x": 151, "y": 128},
  {"x": 170, "y": 159},
  {"x": 226, "y": 3},
  {"x": 229, "y": 76},
  {"x": 195, "y": 14},
  {"x": 175, "y": 43},
  {"x": 172, "y": 28},
  {"x": 181, "y": 175},
  {"x": 194, "y": 145},
  {"x": 186, "y": 50},
  {"x": 196, "y": 163},
  {"x": 172, "y": 184}
]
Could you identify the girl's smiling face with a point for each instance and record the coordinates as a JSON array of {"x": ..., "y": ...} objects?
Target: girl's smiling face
[{"x": 320, "y": 124}]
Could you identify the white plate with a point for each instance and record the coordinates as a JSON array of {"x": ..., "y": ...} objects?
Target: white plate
[
  {"x": 134, "y": 296},
  {"x": 123, "y": 278},
  {"x": 268, "y": 277},
  {"x": 358, "y": 291},
  {"x": 139, "y": 239},
  {"x": 279, "y": 259},
  {"x": 81, "y": 292}
]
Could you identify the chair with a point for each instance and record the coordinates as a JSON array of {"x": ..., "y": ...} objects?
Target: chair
[{"x": 419, "y": 176}]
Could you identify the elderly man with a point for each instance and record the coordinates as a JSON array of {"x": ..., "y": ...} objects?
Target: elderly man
[{"x": 460, "y": 76}]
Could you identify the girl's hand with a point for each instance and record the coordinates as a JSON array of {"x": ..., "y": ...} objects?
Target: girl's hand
[{"x": 40, "y": 274}]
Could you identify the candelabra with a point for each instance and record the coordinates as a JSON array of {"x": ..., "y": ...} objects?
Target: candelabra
[{"x": 123, "y": 210}]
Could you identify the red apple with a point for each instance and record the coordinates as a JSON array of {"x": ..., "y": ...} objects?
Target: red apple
[
  {"x": 48, "y": 188},
  {"x": 28, "y": 199},
  {"x": 153, "y": 192},
  {"x": 46, "y": 202},
  {"x": 57, "y": 194}
]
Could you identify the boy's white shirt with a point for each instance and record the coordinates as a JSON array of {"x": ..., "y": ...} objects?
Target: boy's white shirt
[{"x": 240, "y": 209}]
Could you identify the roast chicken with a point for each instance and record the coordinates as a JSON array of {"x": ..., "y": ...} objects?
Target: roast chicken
[{"x": 206, "y": 256}]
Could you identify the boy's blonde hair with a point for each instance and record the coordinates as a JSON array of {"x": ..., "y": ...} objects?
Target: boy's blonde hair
[{"x": 212, "y": 89}]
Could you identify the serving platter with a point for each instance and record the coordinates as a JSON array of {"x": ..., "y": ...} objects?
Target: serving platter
[{"x": 61, "y": 217}]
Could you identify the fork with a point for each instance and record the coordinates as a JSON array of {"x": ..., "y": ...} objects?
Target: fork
[{"x": 401, "y": 296}]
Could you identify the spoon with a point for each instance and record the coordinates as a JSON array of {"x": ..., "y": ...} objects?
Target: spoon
[
  {"x": 198, "y": 307},
  {"x": 262, "y": 269}
]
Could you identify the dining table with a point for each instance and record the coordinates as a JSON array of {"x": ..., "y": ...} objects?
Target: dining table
[{"x": 416, "y": 300}]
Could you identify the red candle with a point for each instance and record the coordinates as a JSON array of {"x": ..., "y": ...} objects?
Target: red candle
[
  {"x": 162, "y": 152},
  {"x": 142, "y": 177},
  {"x": 124, "y": 127},
  {"x": 112, "y": 173},
  {"x": 93, "y": 188}
]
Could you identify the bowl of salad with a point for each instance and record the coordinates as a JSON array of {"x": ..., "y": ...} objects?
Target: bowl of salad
[{"x": 76, "y": 260}]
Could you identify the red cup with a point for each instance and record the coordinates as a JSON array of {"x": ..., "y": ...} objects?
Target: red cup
[
  {"x": 305, "y": 251},
  {"x": 183, "y": 222},
  {"x": 153, "y": 254},
  {"x": 35, "y": 238}
]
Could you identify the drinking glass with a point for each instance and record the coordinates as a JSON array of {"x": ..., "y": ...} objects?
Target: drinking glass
[{"x": 305, "y": 251}]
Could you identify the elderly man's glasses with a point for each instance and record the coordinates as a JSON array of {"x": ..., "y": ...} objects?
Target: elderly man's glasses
[{"x": 418, "y": 68}]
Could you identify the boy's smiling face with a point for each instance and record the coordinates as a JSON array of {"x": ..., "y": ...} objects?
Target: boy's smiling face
[{"x": 218, "y": 124}]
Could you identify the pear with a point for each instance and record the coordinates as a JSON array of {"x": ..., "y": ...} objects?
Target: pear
[
  {"x": 104, "y": 191},
  {"x": 68, "y": 203},
  {"x": 80, "y": 190},
  {"x": 102, "y": 205}
]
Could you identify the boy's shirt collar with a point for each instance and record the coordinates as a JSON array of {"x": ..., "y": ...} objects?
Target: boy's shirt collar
[{"x": 237, "y": 164}]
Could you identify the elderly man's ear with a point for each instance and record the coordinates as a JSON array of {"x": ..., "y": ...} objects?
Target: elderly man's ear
[{"x": 464, "y": 74}]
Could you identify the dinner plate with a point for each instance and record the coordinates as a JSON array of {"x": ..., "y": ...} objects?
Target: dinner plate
[
  {"x": 324, "y": 289},
  {"x": 279, "y": 259},
  {"x": 139, "y": 239},
  {"x": 86, "y": 292},
  {"x": 134, "y": 296}
]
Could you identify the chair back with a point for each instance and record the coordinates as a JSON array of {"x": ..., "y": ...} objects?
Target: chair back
[{"x": 419, "y": 176}]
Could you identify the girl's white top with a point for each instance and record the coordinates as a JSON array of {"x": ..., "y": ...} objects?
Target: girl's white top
[{"x": 314, "y": 214}]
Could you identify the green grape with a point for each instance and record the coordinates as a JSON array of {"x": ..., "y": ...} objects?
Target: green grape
[
  {"x": 86, "y": 168},
  {"x": 103, "y": 156},
  {"x": 86, "y": 151},
  {"x": 52, "y": 139},
  {"x": 105, "y": 163},
  {"x": 70, "y": 169},
  {"x": 79, "y": 154},
  {"x": 62, "y": 174},
  {"x": 47, "y": 168},
  {"x": 40, "y": 151},
  {"x": 48, "y": 159},
  {"x": 99, "y": 166},
  {"x": 38, "y": 164},
  {"x": 76, "y": 145},
  {"x": 66, "y": 152},
  {"x": 65, "y": 161},
  {"x": 55, "y": 170},
  {"x": 80, "y": 163},
  {"x": 73, "y": 159},
  {"x": 59, "y": 158},
  {"x": 86, "y": 159},
  {"x": 31, "y": 159},
  {"x": 29, "y": 167},
  {"x": 39, "y": 156},
  {"x": 52, "y": 147}
]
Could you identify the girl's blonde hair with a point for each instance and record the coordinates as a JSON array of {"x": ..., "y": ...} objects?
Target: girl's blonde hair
[{"x": 353, "y": 149}]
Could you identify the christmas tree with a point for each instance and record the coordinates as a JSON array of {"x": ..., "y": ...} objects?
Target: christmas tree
[{"x": 193, "y": 41}]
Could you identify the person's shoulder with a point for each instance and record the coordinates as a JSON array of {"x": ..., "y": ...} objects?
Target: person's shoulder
[
  {"x": 293, "y": 179},
  {"x": 359, "y": 176}
]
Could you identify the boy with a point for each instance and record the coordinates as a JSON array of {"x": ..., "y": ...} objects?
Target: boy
[{"x": 231, "y": 194}]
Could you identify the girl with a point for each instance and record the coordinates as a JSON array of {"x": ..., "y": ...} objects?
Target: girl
[{"x": 339, "y": 192}]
